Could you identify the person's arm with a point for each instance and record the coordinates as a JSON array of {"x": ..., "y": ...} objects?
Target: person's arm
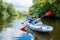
[
  {"x": 28, "y": 18},
  {"x": 40, "y": 19}
]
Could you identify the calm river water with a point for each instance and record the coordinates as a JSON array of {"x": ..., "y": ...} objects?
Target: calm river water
[{"x": 10, "y": 30}]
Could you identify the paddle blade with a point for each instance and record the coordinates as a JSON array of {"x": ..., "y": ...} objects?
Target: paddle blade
[
  {"x": 24, "y": 28},
  {"x": 48, "y": 13}
]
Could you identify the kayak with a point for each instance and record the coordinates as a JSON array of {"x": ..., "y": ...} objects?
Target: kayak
[{"x": 40, "y": 27}]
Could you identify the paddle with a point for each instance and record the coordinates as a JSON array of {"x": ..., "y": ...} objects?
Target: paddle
[
  {"x": 24, "y": 28},
  {"x": 47, "y": 14}
]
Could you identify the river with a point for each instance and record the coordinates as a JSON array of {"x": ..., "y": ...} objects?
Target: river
[{"x": 10, "y": 30}]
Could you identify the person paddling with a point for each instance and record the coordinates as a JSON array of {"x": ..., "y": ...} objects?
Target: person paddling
[
  {"x": 34, "y": 19},
  {"x": 38, "y": 20}
]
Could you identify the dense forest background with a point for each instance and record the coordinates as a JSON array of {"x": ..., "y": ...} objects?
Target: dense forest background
[
  {"x": 8, "y": 10},
  {"x": 40, "y": 7}
]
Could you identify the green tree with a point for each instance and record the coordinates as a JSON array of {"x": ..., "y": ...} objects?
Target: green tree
[
  {"x": 40, "y": 7},
  {"x": 0, "y": 1},
  {"x": 7, "y": 9}
]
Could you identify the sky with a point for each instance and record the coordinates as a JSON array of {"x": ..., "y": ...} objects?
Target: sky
[{"x": 21, "y": 5}]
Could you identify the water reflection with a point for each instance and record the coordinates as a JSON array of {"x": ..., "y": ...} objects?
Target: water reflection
[
  {"x": 55, "y": 23},
  {"x": 6, "y": 22},
  {"x": 14, "y": 34},
  {"x": 44, "y": 36},
  {"x": 25, "y": 36},
  {"x": 10, "y": 30},
  {"x": 40, "y": 35}
]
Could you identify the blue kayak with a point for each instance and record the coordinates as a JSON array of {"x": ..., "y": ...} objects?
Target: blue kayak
[{"x": 40, "y": 27}]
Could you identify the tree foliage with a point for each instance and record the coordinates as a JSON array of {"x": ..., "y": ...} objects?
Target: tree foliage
[
  {"x": 40, "y": 7},
  {"x": 7, "y": 9}
]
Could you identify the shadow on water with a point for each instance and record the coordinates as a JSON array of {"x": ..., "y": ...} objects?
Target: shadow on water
[
  {"x": 40, "y": 35},
  {"x": 54, "y": 35},
  {"x": 55, "y": 23}
]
